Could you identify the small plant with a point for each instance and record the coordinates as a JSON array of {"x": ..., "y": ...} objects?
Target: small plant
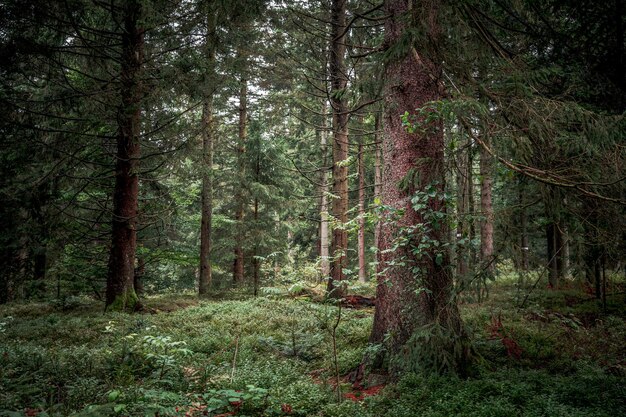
[
  {"x": 4, "y": 323},
  {"x": 250, "y": 400},
  {"x": 498, "y": 332},
  {"x": 163, "y": 352}
]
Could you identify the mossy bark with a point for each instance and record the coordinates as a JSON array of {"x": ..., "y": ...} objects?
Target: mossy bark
[{"x": 126, "y": 301}]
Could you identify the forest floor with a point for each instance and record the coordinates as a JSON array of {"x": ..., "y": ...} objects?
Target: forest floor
[{"x": 562, "y": 354}]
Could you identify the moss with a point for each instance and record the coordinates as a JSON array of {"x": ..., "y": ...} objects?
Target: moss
[{"x": 127, "y": 301}]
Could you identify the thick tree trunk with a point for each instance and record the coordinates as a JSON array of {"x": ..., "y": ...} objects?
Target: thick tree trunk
[
  {"x": 339, "y": 81},
  {"x": 361, "y": 233},
  {"x": 324, "y": 230},
  {"x": 120, "y": 294},
  {"x": 238, "y": 264},
  {"x": 486, "y": 206},
  {"x": 407, "y": 299}
]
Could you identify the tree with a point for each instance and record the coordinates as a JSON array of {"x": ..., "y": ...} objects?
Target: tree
[
  {"x": 208, "y": 136},
  {"x": 415, "y": 288},
  {"x": 486, "y": 208},
  {"x": 120, "y": 293},
  {"x": 339, "y": 83}
]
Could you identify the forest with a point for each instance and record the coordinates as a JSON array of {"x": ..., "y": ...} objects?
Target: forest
[{"x": 329, "y": 208}]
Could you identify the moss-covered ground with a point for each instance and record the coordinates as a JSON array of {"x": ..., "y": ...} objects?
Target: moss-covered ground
[{"x": 563, "y": 354}]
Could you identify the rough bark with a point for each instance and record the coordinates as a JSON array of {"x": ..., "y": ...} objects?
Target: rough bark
[
  {"x": 238, "y": 263},
  {"x": 410, "y": 82},
  {"x": 120, "y": 294},
  {"x": 339, "y": 81}
]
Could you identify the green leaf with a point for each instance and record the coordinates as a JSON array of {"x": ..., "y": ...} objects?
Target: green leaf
[{"x": 113, "y": 395}]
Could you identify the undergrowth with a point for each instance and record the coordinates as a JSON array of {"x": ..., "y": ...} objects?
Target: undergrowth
[{"x": 561, "y": 355}]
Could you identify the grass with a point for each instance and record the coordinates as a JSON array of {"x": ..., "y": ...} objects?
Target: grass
[{"x": 559, "y": 356}]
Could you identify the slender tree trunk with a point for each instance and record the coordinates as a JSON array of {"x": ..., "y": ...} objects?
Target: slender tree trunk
[
  {"x": 238, "y": 264},
  {"x": 139, "y": 274},
  {"x": 339, "y": 81},
  {"x": 207, "y": 196},
  {"x": 551, "y": 241},
  {"x": 558, "y": 245},
  {"x": 120, "y": 294},
  {"x": 471, "y": 206},
  {"x": 486, "y": 206},
  {"x": 208, "y": 139},
  {"x": 255, "y": 260},
  {"x": 603, "y": 282},
  {"x": 566, "y": 264},
  {"x": 525, "y": 249},
  {"x": 378, "y": 172},
  {"x": 361, "y": 233},
  {"x": 324, "y": 231},
  {"x": 406, "y": 299},
  {"x": 462, "y": 208}
]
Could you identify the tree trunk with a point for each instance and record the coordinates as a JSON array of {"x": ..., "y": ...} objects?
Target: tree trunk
[
  {"x": 139, "y": 274},
  {"x": 361, "y": 233},
  {"x": 238, "y": 264},
  {"x": 552, "y": 248},
  {"x": 339, "y": 81},
  {"x": 324, "y": 241},
  {"x": 207, "y": 197},
  {"x": 120, "y": 294},
  {"x": 486, "y": 206},
  {"x": 208, "y": 136},
  {"x": 462, "y": 207},
  {"x": 558, "y": 245},
  {"x": 525, "y": 249},
  {"x": 255, "y": 260},
  {"x": 378, "y": 172},
  {"x": 407, "y": 299},
  {"x": 471, "y": 207},
  {"x": 566, "y": 264}
]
